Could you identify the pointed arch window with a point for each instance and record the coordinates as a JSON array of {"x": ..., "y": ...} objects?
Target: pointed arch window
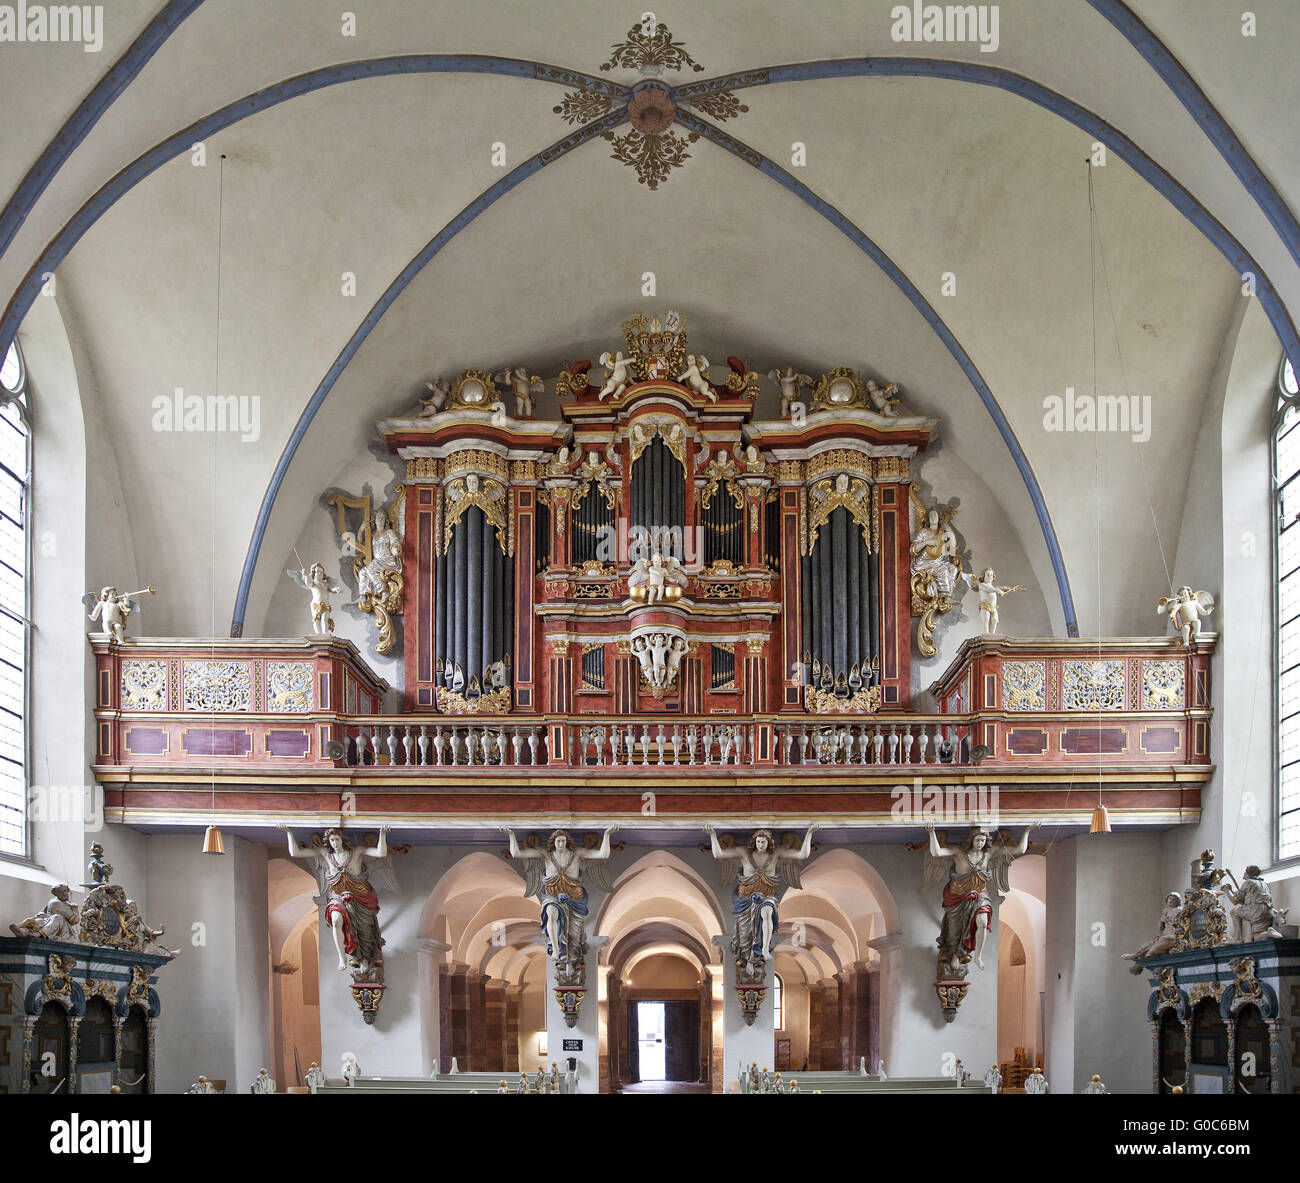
[
  {"x": 15, "y": 480},
  {"x": 1286, "y": 507}
]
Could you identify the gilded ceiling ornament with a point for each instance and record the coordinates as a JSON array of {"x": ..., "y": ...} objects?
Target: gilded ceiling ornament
[
  {"x": 650, "y": 50},
  {"x": 826, "y": 496},
  {"x": 489, "y": 496},
  {"x": 719, "y": 104},
  {"x": 582, "y": 106},
  {"x": 653, "y": 157}
]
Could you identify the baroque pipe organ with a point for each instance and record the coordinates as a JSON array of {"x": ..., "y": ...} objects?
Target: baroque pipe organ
[{"x": 656, "y": 550}]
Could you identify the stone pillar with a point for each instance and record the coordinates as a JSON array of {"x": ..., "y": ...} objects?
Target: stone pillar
[
  {"x": 430, "y": 973},
  {"x": 814, "y": 1027},
  {"x": 610, "y": 995},
  {"x": 706, "y": 1027},
  {"x": 494, "y": 1013},
  {"x": 744, "y": 1044},
  {"x": 888, "y": 996},
  {"x": 585, "y": 1030},
  {"x": 717, "y": 1059},
  {"x": 458, "y": 1018},
  {"x": 476, "y": 988},
  {"x": 872, "y": 1047},
  {"x": 514, "y": 996},
  {"x": 831, "y": 1054},
  {"x": 857, "y": 1023}
]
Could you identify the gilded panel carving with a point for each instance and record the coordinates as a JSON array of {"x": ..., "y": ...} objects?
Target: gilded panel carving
[
  {"x": 289, "y": 686},
  {"x": 1092, "y": 685},
  {"x": 217, "y": 686},
  {"x": 144, "y": 685},
  {"x": 1024, "y": 685},
  {"x": 1164, "y": 686}
]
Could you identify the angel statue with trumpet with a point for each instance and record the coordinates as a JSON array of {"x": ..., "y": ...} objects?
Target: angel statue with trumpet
[
  {"x": 553, "y": 873},
  {"x": 1185, "y": 608},
  {"x": 965, "y": 872},
  {"x": 112, "y": 608},
  {"x": 764, "y": 868},
  {"x": 345, "y": 873}
]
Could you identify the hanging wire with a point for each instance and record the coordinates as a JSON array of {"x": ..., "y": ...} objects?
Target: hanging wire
[{"x": 216, "y": 390}]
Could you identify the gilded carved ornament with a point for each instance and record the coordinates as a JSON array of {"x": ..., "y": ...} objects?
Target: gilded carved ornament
[
  {"x": 827, "y": 495},
  {"x": 487, "y": 495},
  {"x": 643, "y": 429}
]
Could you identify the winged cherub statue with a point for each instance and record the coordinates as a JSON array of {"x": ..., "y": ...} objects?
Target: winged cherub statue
[
  {"x": 112, "y": 608},
  {"x": 965, "y": 871},
  {"x": 321, "y": 586},
  {"x": 756, "y": 885},
  {"x": 553, "y": 873},
  {"x": 1185, "y": 609}
]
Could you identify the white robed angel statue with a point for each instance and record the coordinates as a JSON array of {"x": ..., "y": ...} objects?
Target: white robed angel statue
[
  {"x": 553, "y": 873},
  {"x": 757, "y": 871},
  {"x": 965, "y": 872},
  {"x": 345, "y": 873}
]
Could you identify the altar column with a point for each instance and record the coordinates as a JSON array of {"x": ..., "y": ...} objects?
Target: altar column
[
  {"x": 744, "y": 1044},
  {"x": 583, "y": 1037}
]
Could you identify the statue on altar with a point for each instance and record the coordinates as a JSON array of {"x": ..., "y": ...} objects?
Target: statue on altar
[
  {"x": 990, "y": 592},
  {"x": 321, "y": 587},
  {"x": 557, "y": 883},
  {"x": 1185, "y": 608},
  {"x": 57, "y": 921},
  {"x": 763, "y": 869},
  {"x": 1253, "y": 916},
  {"x": 965, "y": 871},
  {"x": 1165, "y": 938},
  {"x": 352, "y": 904}
]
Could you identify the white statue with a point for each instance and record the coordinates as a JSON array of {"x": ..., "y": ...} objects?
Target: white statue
[
  {"x": 1093, "y": 1086},
  {"x": 1168, "y": 932},
  {"x": 993, "y": 1078},
  {"x": 934, "y": 554},
  {"x": 1254, "y": 918},
  {"x": 57, "y": 921},
  {"x": 885, "y": 401},
  {"x": 315, "y": 1078},
  {"x": 112, "y": 608},
  {"x": 790, "y": 383},
  {"x": 754, "y": 897},
  {"x": 439, "y": 391},
  {"x": 264, "y": 1083},
  {"x": 523, "y": 388},
  {"x": 989, "y": 591},
  {"x": 352, "y": 904},
  {"x": 619, "y": 377},
  {"x": 557, "y": 883},
  {"x": 351, "y": 1070},
  {"x": 203, "y": 1086},
  {"x": 967, "y": 906},
  {"x": 660, "y": 656},
  {"x": 1185, "y": 609},
  {"x": 321, "y": 586},
  {"x": 696, "y": 376},
  {"x": 1036, "y": 1082},
  {"x": 377, "y": 576}
]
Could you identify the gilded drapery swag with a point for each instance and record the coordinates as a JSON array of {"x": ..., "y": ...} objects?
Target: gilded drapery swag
[
  {"x": 843, "y": 491},
  {"x": 492, "y": 497}
]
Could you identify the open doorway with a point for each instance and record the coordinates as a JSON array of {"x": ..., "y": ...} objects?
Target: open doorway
[{"x": 664, "y": 1040}]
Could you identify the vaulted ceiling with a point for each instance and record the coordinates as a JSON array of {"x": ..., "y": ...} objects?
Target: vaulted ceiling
[{"x": 971, "y": 168}]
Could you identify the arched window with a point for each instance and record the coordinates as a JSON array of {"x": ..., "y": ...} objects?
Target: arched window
[
  {"x": 778, "y": 1001},
  {"x": 15, "y": 475},
  {"x": 1286, "y": 492}
]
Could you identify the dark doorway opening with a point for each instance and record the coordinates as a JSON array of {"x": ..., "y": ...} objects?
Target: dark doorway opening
[{"x": 664, "y": 1040}]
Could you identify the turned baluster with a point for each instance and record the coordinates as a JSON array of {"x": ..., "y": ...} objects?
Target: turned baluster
[
  {"x": 660, "y": 740},
  {"x": 860, "y": 742},
  {"x": 692, "y": 738},
  {"x": 787, "y": 742},
  {"x": 724, "y": 744},
  {"x": 907, "y": 745},
  {"x": 600, "y": 745},
  {"x": 407, "y": 744},
  {"x": 517, "y": 742},
  {"x": 923, "y": 742},
  {"x": 708, "y": 743},
  {"x": 677, "y": 744},
  {"x": 645, "y": 744},
  {"x": 422, "y": 744},
  {"x": 877, "y": 745},
  {"x": 532, "y": 745}
]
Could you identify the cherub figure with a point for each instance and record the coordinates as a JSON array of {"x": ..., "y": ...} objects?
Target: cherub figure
[
  {"x": 57, "y": 921},
  {"x": 439, "y": 391},
  {"x": 321, "y": 586},
  {"x": 763, "y": 871},
  {"x": 523, "y": 386},
  {"x": 696, "y": 376},
  {"x": 1167, "y": 936},
  {"x": 790, "y": 382},
  {"x": 967, "y": 906},
  {"x": 1185, "y": 609},
  {"x": 885, "y": 401},
  {"x": 989, "y": 591},
  {"x": 112, "y": 608},
  {"x": 619, "y": 377}
]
